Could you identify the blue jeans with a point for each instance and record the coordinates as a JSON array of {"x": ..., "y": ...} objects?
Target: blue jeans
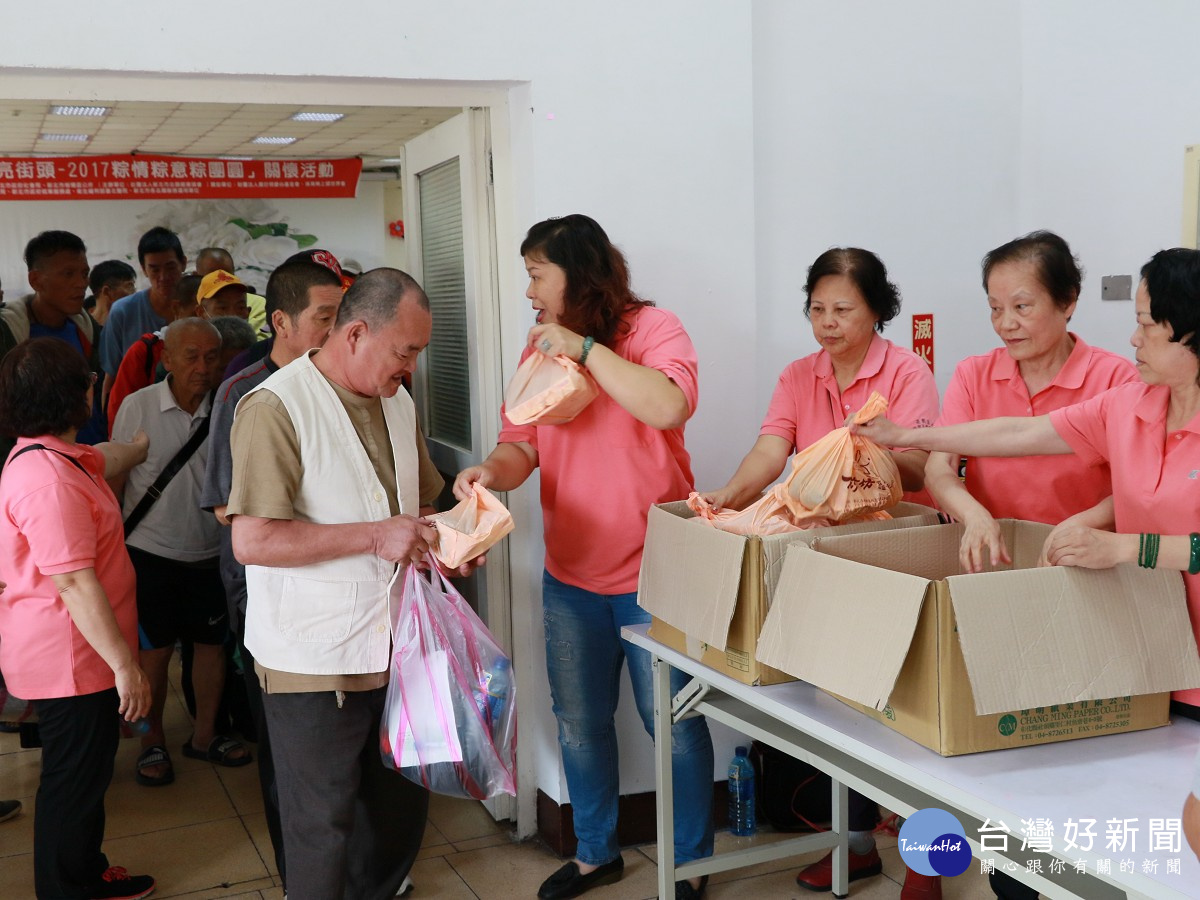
[{"x": 584, "y": 652}]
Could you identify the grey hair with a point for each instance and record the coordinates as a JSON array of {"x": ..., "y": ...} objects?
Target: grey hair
[
  {"x": 236, "y": 333},
  {"x": 376, "y": 295}
]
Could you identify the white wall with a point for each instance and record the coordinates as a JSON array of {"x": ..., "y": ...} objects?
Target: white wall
[
  {"x": 627, "y": 111},
  {"x": 894, "y": 127},
  {"x": 1110, "y": 101}
]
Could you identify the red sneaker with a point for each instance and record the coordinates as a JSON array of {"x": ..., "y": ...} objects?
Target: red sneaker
[
  {"x": 819, "y": 876},
  {"x": 921, "y": 887},
  {"x": 117, "y": 884}
]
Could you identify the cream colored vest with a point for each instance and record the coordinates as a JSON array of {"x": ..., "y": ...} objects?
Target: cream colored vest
[{"x": 331, "y": 618}]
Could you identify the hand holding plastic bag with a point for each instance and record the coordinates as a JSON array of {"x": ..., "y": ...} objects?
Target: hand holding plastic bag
[
  {"x": 843, "y": 476},
  {"x": 548, "y": 391},
  {"x": 450, "y": 716},
  {"x": 470, "y": 528},
  {"x": 839, "y": 478}
]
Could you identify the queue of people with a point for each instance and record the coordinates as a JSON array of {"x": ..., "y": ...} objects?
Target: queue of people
[{"x": 311, "y": 462}]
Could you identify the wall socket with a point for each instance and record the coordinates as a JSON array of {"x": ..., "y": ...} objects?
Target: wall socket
[{"x": 1116, "y": 287}]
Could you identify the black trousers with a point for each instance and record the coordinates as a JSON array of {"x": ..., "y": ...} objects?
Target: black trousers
[
  {"x": 79, "y": 743},
  {"x": 351, "y": 826},
  {"x": 262, "y": 752}
]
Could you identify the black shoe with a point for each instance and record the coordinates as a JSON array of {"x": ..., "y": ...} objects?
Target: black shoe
[
  {"x": 117, "y": 884},
  {"x": 568, "y": 882},
  {"x": 685, "y": 891},
  {"x": 9, "y": 809}
]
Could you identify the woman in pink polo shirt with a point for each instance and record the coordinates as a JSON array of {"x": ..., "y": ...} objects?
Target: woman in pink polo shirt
[
  {"x": 68, "y": 613},
  {"x": 1151, "y": 426},
  {"x": 850, "y": 300},
  {"x": 1032, "y": 286},
  {"x": 600, "y": 473}
]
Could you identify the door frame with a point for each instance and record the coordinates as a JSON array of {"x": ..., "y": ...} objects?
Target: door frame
[{"x": 505, "y": 106}]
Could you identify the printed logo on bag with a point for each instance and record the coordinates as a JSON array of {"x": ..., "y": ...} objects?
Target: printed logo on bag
[
  {"x": 1007, "y": 725},
  {"x": 933, "y": 842}
]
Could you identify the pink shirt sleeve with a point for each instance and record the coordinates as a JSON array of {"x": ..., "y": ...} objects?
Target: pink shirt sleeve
[
  {"x": 780, "y": 419},
  {"x": 958, "y": 405},
  {"x": 913, "y": 401},
  {"x": 57, "y": 522},
  {"x": 1084, "y": 427},
  {"x": 661, "y": 343}
]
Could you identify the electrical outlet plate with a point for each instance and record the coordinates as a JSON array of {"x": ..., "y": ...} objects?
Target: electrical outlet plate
[{"x": 1116, "y": 287}]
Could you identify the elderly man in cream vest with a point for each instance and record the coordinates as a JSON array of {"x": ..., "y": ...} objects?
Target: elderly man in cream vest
[{"x": 324, "y": 506}]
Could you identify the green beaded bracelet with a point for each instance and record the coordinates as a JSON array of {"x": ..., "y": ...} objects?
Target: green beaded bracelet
[
  {"x": 1194, "y": 559},
  {"x": 587, "y": 348}
]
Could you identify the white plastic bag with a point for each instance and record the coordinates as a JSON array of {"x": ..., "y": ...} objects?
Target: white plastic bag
[{"x": 450, "y": 717}]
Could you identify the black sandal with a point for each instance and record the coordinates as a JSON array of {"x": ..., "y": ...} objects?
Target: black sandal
[{"x": 154, "y": 756}]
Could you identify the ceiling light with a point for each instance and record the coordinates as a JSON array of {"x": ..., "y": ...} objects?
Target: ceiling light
[
  {"x": 317, "y": 117},
  {"x": 66, "y": 137},
  {"x": 266, "y": 139},
  {"x": 79, "y": 110}
]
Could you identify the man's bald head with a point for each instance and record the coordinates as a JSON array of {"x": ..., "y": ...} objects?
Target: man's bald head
[
  {"x": 376, "y": 295},
  {"x": 210, "y": 259}
]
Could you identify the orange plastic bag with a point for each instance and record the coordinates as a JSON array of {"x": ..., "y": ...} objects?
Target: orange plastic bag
[
  {"x": 546, "y": 391},
  {"x": 843, "y": 476},
  {"x": 470, "y": 528},
  {"x": 840, "y": 478}
]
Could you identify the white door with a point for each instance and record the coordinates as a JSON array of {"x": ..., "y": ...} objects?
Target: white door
[{"x": 450, "y": 230}]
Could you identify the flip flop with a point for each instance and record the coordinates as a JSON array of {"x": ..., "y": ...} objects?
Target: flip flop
[
  {"x": 218, "y": 752},
  {"x": 154, "y": 756}
]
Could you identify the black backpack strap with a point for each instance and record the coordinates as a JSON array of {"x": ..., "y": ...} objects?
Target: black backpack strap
[
  {"x": 72, "y": 460},
  {"x": 149, "y": 340},
  {"x": 178, "y": 461}
]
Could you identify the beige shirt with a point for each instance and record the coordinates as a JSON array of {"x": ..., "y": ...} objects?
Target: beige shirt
[{"x": 267, "y": 471}]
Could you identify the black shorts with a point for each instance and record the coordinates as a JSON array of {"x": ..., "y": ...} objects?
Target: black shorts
[{"x": 178, "y": 600}]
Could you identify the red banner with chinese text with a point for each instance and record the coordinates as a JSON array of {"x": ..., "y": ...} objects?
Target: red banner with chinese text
[
  {"x": 922, "y": 337},
  {"x": 145, "y": 177}
]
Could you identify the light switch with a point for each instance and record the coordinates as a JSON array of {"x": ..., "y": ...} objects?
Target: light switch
[{"x": 1116, "y": 287}]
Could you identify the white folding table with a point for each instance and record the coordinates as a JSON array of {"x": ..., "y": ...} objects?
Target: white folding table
[{"x": 1137, "y": 777}]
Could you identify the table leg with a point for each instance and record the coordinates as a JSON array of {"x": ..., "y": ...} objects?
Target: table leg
[
  {"x": 841, "y": 850},
  {"x": 663, "y": 777}
]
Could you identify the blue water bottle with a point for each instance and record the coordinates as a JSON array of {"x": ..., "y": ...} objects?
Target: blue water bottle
[
  {"x": 497, "y": 689},
  {"x": 741, "y": 795}
]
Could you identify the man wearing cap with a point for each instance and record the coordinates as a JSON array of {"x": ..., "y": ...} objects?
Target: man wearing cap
[
  {"x": 263, "y": 348},
  {"x": 223, "y": 294},
  {"x": 210, "y": 259}
]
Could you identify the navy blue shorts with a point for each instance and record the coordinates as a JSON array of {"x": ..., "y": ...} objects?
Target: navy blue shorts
[{"x": 178, "y": 600}]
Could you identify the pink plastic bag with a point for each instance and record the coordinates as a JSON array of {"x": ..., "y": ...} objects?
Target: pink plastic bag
[
  {"x": 547, "y": 391},
  {"x": 470, "y": 528},
  {"x": 450, "y": 716}
]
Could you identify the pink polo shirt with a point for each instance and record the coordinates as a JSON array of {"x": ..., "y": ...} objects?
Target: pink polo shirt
[
  {"x": 1036, "y": 488},
  {"x": 1156, "y": 483},
  {"x": 807, "y": 403},
  {"x": 603, "y": 471},
  {"x": 55, "y": 519}
]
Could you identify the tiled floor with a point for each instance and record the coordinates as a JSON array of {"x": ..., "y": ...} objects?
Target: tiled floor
[{"x": 204, "y": 837}]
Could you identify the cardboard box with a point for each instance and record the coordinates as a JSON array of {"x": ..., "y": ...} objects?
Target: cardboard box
[
  {"x": 709, "y": 590},
  {"x": 964, "y": 663}
]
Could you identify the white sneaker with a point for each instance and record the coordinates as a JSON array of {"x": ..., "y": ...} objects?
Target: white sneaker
[{"x": 406, "y": 887}]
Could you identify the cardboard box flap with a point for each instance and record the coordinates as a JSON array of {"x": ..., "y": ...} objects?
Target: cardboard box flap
[
  {"x": 1038, "y": 637},
  {"x": 928, "y": 551},
  {"x": 841, "y": 625},
  {"x": 690, "y": 579}
]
